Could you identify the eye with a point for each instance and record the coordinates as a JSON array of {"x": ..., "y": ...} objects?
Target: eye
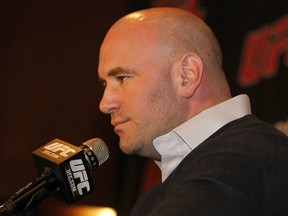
[
  {"x": 122, "y": 78},
  {"x": 103, "y": 84}
]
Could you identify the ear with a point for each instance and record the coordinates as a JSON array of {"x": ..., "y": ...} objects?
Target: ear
[{"x": 191, "y": 74}]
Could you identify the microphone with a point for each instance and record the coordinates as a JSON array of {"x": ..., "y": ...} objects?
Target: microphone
[{"x": 65, "y": 173}]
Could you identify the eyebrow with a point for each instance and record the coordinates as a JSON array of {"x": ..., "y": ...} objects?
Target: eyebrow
[{"x": 116, "y": 71}]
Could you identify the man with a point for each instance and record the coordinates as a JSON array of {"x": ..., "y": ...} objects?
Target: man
[{"x": 169, "y": 100}]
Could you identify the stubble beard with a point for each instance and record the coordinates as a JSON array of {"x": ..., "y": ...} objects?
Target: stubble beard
[{"x": 139, "y": 140}]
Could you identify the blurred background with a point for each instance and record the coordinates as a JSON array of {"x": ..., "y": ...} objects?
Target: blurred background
[{"x": 49, "y": 87}]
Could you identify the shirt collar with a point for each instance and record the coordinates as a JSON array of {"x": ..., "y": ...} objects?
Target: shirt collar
[{"x": 177, "y": 144}]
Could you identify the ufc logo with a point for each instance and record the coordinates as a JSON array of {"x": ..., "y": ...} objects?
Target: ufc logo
[
  {"x": 59, "y": 147},
  {"x": 79, "y": 171},
  {"x": 262, "y": 52}
]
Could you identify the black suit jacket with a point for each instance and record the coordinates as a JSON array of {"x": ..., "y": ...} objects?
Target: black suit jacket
[{"x": 242, "y": 169}]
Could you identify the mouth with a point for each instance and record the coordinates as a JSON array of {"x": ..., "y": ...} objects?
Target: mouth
[{"x": 117, "y": 125}]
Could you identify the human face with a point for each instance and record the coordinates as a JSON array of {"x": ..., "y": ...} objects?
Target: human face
[{"x": 139, "y": 94}]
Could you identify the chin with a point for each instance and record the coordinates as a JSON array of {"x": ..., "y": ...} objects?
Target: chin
[{"x": 126, "y": 148}]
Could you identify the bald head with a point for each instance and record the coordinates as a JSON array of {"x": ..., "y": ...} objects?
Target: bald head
[{"x": 177, "y": 31}]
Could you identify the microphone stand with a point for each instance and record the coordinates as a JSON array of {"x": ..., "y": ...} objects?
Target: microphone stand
[{"x": 25, "y": 201}]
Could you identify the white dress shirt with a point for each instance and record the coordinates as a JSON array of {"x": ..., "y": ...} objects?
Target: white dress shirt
[{"x": 177, "y": 144}]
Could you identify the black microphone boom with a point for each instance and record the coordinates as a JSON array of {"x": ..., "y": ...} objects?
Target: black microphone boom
[{"x": 65, "y": 173}]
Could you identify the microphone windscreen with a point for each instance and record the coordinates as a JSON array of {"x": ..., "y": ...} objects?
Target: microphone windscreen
[{"x": 99, "y": 148}]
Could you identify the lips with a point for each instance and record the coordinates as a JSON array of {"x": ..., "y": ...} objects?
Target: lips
[{"x": 117, "y": 124}]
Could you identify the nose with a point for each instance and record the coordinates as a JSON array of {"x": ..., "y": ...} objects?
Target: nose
[{"x": 109, "y": 101}]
